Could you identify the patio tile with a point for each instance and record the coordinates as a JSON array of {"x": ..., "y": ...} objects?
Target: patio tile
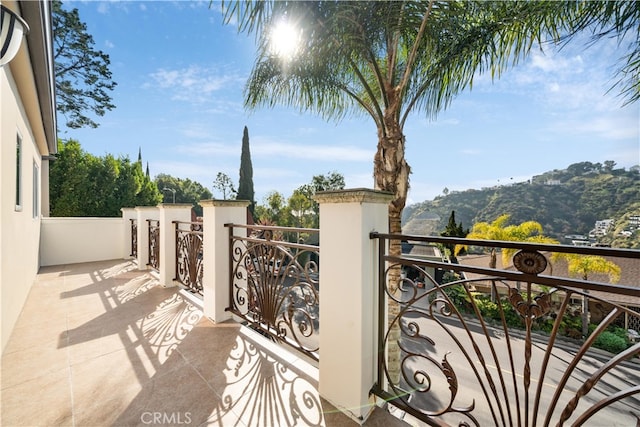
[
  {"x": 26, "y": 336},
  {"x": 207, "y": 350},
  {"x": 163, "y": 400},
  {"x": 104, "y": 344},
  {"x": 31, "y": 363},
  {"x": 120, "y": 373},
  {"x": 42, "y": 401}
]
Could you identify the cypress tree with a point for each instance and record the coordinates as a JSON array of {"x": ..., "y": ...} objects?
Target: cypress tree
[
  {"x": 454, "y": 230},
  {"x": 245, "y": 184}
]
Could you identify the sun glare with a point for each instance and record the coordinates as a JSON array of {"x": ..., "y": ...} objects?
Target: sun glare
[{"x": 284, "y": 40}]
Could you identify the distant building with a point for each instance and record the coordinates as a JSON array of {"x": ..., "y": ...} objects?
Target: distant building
[{"x": 602, "y": 227}]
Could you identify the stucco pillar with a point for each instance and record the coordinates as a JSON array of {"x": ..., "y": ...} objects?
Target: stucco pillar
[
  {"x": 128, "y": 214},
  {"x": 143, "y": 214},
  {"x": 216, "y": 278},
  {"x": 168, "y": 214},
  {"x": 348, "y": 296}
]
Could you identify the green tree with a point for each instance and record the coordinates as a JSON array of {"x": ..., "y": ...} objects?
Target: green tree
[
  {"x": 224, "y": 184},
  {"x": 245, "y": 183},
  {"x": 186, "y": 191},
  {"x": 301, "y": 207},
  {"x": 331, "y": 181},
  {"x": 453, "y": 229},
  {"x": 273, "y": 211},
  {"x": 68, "y": 178},
  {"x": 82, "y": 184},
  {"x": 128, "y": 183},
  {"x": 82, "y": 74}
]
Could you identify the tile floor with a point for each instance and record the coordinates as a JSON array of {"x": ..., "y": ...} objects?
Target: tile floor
[{"x": 102, "y": 344}]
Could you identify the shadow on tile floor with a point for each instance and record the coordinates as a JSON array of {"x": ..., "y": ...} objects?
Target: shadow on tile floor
[{"x": 103, "y": 344}]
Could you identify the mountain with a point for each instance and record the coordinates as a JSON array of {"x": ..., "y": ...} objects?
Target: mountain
[{"x": 565, "y": 202}]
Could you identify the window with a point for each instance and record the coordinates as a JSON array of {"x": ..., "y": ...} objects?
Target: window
[
  {"x": 36, "y": 190},
  {"x": 19, "y": 173}
]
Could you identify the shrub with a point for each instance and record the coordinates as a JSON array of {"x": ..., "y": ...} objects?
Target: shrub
[
  {"x": 610, "y": 342},
  {"x": 458, "y": 296}
]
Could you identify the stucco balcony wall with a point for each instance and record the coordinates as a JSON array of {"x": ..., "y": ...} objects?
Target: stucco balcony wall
[{"x": 78, "y": 240}]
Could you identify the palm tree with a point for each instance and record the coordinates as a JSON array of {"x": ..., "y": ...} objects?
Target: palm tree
[
  {"x": 388, "y": 59},
  {"x": 528, "y": 231},
  {"x": 385, "y": 59},
  {"x": 583, "y": 265}
]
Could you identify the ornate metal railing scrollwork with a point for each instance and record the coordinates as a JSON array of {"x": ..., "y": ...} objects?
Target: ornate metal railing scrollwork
[
  {"x": 154, "y": 243},
  {"x": 134, "y": 238},
  {"x": 464, "y": 359},
  {"x": 274, "y": 284},
  {"x": 189, "y": 260}
]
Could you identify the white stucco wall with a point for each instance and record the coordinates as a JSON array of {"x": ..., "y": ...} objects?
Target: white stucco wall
[
  {"x": 19, "y": 230},
  {"x": 74, "y": 240}
]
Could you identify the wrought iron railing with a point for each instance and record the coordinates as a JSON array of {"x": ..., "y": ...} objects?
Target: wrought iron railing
[
  {"x": 465, "y": 344},
  {"x": 274, "y": 283},
  {"x": 189, "y": 262},
  {"x": 134, "y": 238},
  {"x": 154, "y": 243}
]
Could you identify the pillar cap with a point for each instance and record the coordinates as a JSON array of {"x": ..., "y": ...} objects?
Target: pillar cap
[
  {"x": 354, "y": 195},
  {"x": 146, "y": 208},
  {"x": 225, "y": 203},
  {"x": 175, "y": 205}
]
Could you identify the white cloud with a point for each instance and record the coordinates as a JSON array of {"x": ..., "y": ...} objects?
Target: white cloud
[
  {"x": 103, "y": 7},
  {"x": 181, "y": 169},
  {"x": 209, "y": 148},
  {"x": 194, "y": 84},
  {"x": 343, "y": 153},
  {"x": 556, "y": 64},
  {"x": 607, "y": 128},
  {"x": 278, "y": 172},
  {"x": 109, "y": 44}
]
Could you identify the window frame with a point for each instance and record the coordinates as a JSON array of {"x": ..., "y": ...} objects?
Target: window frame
[
  {"x": 36, "y": 190},
  {"x": 18, "y": 177}
]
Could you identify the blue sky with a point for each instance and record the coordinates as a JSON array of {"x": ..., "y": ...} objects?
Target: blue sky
[{"x": 181, "y": 74}]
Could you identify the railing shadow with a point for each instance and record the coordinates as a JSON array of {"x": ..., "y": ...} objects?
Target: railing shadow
[
  {"x": 189, "y": 370},
  {"x": 150, "y": 321},
  {"x": 262, "y": 389}
]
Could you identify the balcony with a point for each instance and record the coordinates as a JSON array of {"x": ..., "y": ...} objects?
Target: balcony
[
  {"x": 103, "y": 343},
  {"x": 220, "y": 323}
]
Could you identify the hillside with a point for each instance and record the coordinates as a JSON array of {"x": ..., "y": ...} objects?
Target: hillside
[{"x": 566, "y": 202}]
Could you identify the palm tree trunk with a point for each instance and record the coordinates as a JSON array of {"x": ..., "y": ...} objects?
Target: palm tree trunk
[
  {"x": 493, "y": 262},
  {"x": 391, "y": 173}
]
